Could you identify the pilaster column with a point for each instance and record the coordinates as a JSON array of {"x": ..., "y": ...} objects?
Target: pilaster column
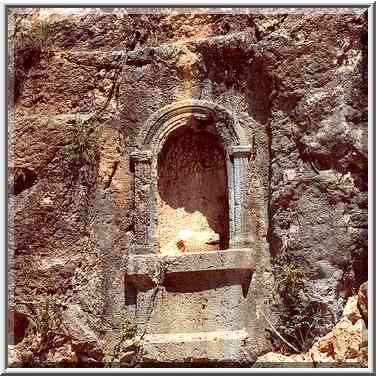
[
  {"x": 143, "y": 199},
  {"x": 238, "y": 230}
]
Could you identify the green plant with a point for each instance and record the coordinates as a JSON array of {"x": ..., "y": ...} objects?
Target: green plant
[
  {"x": 46, "y": 329},
  {"x": 302, "y": 318},
  {"x": 128, "y": 340},
  {"x": 82, "y": 150},
  {"x": 303, "y": 322},
  {"x": 126, "y": 327},
  {"x": 40, "y": 31},
  {"x": 48, "y": 321},
  {"x": 292, "y": 276}
]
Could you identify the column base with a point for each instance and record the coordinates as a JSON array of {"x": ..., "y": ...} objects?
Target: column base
[{"x": 203, "y": 347}]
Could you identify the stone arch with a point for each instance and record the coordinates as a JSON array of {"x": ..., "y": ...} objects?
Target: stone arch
[
  {"x": 169, "y": 118},
  {"x": 149, "y": 144}
]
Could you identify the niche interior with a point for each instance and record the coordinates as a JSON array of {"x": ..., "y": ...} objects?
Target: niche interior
[{"x": 190, "y": 180}]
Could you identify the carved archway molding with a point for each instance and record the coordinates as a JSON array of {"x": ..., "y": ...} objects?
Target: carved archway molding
[{"x": 145, "y": 158}]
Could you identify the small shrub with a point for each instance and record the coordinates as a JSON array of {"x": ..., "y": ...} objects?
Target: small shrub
[
  {"x": 46, "y": 328},
  {"x": 40, "y": 31},
  {"x": 82, "y": 151},
  {"x": 302, "y": 318},
  {"x": 292, "y": 276},
  {"x": 128, "y": 340},
  {"x": 125, "y": 326},
  {"x": 49, "y": 322}
]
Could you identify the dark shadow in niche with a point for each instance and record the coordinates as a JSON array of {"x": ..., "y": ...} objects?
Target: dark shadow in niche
[
  {"x": 130, "y": 295},
  {"x": 192, "y": 175},
  {"x": 18, "y": 324},
  {"x": 23, "y": 178},
  {"x": 207, "y": 280}
]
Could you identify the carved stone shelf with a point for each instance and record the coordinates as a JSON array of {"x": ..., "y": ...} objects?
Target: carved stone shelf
[{"x": 151, "y": 269}]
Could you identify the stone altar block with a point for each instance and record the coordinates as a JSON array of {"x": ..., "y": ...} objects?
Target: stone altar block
[
  {"x": 189, "y": 296},
  {"x": 191, "y": 306}
]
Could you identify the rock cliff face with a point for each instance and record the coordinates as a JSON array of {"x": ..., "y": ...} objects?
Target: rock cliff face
[
  {"x": 82, "y": 82},
  {"x": 344, "y": 346}
]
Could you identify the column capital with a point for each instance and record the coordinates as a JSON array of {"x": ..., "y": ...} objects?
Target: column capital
[
  {"x": 240, "y": 150},
  {"x": 141, "y": 156}
]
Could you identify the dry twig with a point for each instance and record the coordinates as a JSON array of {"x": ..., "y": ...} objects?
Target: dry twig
[{"x": 276, "y": 332}]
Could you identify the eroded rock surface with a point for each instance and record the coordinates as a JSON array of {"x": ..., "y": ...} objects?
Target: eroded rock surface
[
  {"x": 83, "y": 83},
  {"x": 345, "y": 345}
]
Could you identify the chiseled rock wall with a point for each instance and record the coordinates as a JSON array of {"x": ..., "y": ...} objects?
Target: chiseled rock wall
[{"x": 80, "y": 85}]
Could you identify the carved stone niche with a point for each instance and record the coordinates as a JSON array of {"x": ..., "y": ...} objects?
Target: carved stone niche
[
  {"x": 207, "y": 117},
  {"x": 193, "y": 304}
]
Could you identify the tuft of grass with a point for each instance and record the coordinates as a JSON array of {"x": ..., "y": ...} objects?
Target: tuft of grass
[
  {"x": 302, "y": 318},
  {"x": 128, "y": 340},
  {"x": 40, "y": 31},
  {"x": 82, "y": 151},
  {"x": 49, "y": 320},
  {"x": 126, "y": 327},
  {"x": 292, "y": 276},
  {"x": 45, "y": 324}
]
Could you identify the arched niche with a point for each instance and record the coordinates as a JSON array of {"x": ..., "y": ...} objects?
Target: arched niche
[
  {"x": 162, "y": 127},
  {"x": 192, "y": 192}
]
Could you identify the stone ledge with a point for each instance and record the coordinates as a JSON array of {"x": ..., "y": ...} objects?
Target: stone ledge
[
  {"x": 201, "y": 347},
  {"x": 146, "y": 271},
  {"x": 193, "y": 261},
  {"x": 212, "y": 260}
]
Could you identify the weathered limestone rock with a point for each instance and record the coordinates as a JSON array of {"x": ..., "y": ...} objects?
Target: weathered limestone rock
[
  {"x": 15, "y": 358},
  {"x": 64, "y": 355},
  {"x": 343, "y": 343},
  {"x": 363, "y": 300},
  {"x": 283, "y": 173},
  {"x": 191, "y": 241},
  {"x": 275, "y": 360},
  {"x": 351, "y": 310},
  {"x": 83, "y": 339},
  {"x": 112, "y": 167},
  {"x": 346, "y": 343}
]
